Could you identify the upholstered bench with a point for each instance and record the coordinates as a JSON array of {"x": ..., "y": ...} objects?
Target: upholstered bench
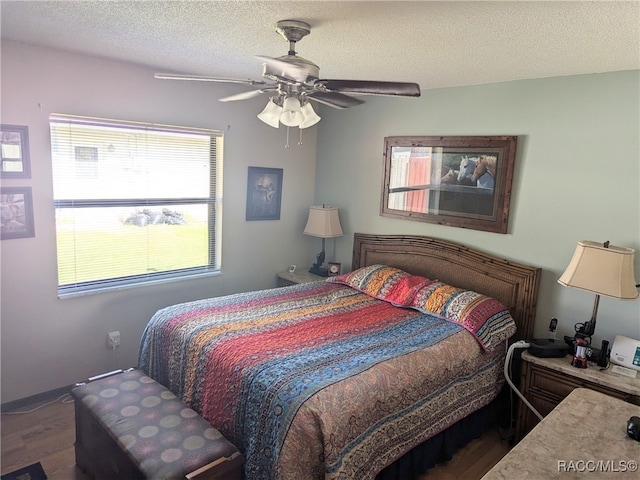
[{"x": 128, "y": 426}]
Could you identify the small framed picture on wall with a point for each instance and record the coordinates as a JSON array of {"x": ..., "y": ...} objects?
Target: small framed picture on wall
[
  {"x": 14, "y": 151},
  {"x": 16, "y": 207}
]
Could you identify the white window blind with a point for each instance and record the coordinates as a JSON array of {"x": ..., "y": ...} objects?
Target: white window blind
[{"x": 134, "y": 202}]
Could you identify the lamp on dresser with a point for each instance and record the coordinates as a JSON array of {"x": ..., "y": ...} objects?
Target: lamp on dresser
[
  {"x": 602, "y": 269},
  {"x": 323, "y": 222}
]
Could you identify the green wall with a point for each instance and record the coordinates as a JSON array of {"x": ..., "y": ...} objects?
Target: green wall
[{"x": 577, "y": 176}]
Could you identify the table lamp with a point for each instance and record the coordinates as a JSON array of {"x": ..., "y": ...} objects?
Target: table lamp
[
  {"x": 323, "y": 222},
  {"x": 602, "y": 269}
]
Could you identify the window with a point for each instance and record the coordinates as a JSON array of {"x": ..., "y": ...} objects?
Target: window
[{"x": 134, "y": 202}]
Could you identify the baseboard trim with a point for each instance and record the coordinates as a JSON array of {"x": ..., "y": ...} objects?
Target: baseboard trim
[{"x": 34, "y": 399}]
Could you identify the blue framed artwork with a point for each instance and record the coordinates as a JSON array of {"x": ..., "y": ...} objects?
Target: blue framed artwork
[{"x": 264, "y": 193}]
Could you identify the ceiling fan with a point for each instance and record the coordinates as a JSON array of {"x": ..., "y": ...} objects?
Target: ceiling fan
[{"x": 292, "y": 81}]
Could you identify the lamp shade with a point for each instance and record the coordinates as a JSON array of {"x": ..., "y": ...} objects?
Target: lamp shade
[
  {"x": 291, "y": 113},
  {"x": 310, "y": 116},
  {"x": 323, "y": 222},
  {"x": 271, "y": 114},
  {"x": 601, "y": 270}
]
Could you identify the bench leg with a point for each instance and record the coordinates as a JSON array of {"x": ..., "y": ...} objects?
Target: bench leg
[{"x": 225, "y": 468}]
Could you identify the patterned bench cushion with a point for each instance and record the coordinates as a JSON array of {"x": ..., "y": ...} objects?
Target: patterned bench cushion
[{"x": 164, "y": 437}]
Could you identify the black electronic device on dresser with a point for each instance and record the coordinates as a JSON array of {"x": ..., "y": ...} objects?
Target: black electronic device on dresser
[{"x": 548, "y": 347}]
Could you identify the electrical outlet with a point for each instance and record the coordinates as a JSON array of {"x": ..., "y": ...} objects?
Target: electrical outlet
[{"x": 113, "y": 339}]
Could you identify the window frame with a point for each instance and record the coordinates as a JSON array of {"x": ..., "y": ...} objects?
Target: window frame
[{"x": 213, "y": 202}]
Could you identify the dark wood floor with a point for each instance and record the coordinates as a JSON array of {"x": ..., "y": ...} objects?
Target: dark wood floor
[{"x": 46, "y": 435}]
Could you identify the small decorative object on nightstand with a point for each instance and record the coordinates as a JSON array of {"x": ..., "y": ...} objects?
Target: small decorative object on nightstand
[
  {"x": 293, "y": 278},
  {"x": 333, "y": 268}
]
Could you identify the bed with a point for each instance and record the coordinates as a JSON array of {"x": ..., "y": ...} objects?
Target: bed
[{"x": 345, "y": 378}]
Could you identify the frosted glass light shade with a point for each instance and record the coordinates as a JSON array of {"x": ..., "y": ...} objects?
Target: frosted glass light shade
[
  {"x": 310, "y": 116},
  {"x": 291, "y": 112},
  {"x": 271, "y": 114},
  {"x": 603, "y": 271}
]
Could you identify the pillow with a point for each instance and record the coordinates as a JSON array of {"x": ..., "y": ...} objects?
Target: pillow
[
  {"x": 485, "y": 317},
  {"x": 384, "y": 283}
]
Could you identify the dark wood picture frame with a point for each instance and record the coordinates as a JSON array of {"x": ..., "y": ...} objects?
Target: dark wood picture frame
[
  {"x": 455, "y": 181},
  {"x": 14, "y": 151},
  {"x": 264, "y": 193},
  {"x": 16, "y": 207}
]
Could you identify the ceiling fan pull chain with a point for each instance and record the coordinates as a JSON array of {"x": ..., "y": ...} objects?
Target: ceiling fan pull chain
[
  {"x": 287, "y": 144},
  {"x": 300, "y": 141}
]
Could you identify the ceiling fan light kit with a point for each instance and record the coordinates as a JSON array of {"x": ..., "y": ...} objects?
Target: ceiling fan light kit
[
  {"x": 295, "y": 81},
  {"x": 290, "y": 114}
]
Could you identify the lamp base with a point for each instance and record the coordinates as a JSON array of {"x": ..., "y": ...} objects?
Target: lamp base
[{"x": 322, "y": 272}]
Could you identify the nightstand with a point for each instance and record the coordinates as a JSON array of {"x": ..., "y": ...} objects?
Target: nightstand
[
  {"x": 285, "y": 278},
  {"x": 545, "y": 382}
]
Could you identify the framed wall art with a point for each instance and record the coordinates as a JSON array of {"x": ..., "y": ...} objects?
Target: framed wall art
[
  {"x": 16, "y": 213},
  {"x": 264, "y": 193},
  {"x": 456, "y": 181},
  {"x": 14, "y": 149}
]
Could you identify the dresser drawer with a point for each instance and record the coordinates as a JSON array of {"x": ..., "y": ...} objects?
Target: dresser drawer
[
  {"x": 554, "y": 384},
  {"x": 557, "y": 385}
]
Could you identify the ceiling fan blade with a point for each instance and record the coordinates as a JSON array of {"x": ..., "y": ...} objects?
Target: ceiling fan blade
[
  {"x": 202, "y": 78},
  {"x": 246, "y": 95},
  {"x": 367, "y": 87},
  {"x": 282, "y": 69},
  {"x": 335, "y": 99}
]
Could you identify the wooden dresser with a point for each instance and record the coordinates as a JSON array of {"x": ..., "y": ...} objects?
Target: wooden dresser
[{"x": 545, "y": 382}]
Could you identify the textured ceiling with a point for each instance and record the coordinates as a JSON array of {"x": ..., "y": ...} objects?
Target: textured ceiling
[{"x": 437, "y": 44}]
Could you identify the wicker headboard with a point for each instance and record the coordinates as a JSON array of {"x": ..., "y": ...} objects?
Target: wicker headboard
[{"x": 513, "y": 284}]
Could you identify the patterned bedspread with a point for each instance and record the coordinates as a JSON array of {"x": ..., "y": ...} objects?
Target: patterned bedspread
[{"x": 318, "y": 381}]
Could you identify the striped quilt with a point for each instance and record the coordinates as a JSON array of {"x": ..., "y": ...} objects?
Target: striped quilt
[{"x": 318, "y": 381}]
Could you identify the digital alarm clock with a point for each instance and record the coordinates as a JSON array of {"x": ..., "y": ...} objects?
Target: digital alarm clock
[{"x": 626, "y": 352}]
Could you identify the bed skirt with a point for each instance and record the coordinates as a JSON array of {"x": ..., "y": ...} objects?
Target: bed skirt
[{"x": 443, "y": 446}]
